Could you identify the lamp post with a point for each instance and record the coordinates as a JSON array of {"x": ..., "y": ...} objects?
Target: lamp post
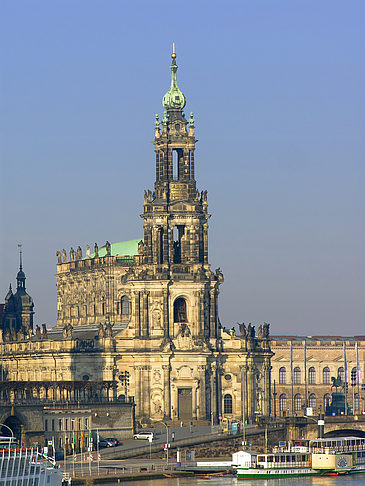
[
  {"x": 167, "y": 439},
  {"x": 320, "y": 423}
]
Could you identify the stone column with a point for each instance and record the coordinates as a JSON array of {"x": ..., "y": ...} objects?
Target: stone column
[
  {"x": 251, "y": 390},
  {"x": 267, "y": 387},
  {"x": 137, "y": 314},
  {"x": 206, "y": 243},
  {"x": 167, "y": 395},
  {"x": 144, "y": 313},
  {"x": 165, "y": 318},
  {"x": 213, "y": 318}
]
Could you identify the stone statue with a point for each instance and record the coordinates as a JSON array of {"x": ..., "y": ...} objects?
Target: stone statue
[
  {"x": 87, "y": 251},
  {"x": 145, "y": 196},
  {"x": 107, "y": 247},
  {"x": 67, "y": 331},
  {"x": 59, "y": 256},
  {"x": 101, "y": 331},
  {"x": 259, "y": 332},
  {"x": 72, "y": 255},
  {"x": 219, "y": 275},
  {"x": 79, "y": 253},
  {"x": 242, "y": 329},
  {"x": 64, "y": 256},
  {"x": 108, "y": 329},
  {"x": 266, "y": 330},
  {"x": 250, "y": 331},
  {"x": 38, "y": 332},
  {"x": 204, "y": 197},
  {"x": 140, "y": 248},
  {"x": 96, "y": 250},
  {"x": 44, "y": 331}
]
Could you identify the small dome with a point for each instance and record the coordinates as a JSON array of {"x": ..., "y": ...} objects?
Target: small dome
[
  {"x": 174, "y": 99},
  {"x": 20, "y": 275}
]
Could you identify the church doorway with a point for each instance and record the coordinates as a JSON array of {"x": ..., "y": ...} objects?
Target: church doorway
[
  {"x": 185, "y": 403},
  {"x": 15, "y": 425}
]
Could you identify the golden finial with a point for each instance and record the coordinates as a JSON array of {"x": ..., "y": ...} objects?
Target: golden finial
[{"x": 173, "y": 55}]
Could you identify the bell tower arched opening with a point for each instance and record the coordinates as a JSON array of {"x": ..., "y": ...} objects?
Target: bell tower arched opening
[{"x": 180, "y": 311}]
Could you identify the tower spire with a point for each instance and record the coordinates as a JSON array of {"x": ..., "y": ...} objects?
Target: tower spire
[
  {"x": 174, "y": 99},
  {"x": 20, "y": 257},
  {"x": 20, "y": 278}
]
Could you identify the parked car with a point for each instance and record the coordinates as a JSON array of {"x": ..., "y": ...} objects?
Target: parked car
[
  {"x": 144, "y": 435},
  {"x": 105, "y": 443},
  {"x": 112, "y": 440}
]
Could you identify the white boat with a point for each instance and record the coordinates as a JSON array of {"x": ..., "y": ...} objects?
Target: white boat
[
  {"x": 20, "y": 466},
  {"x": 335, "y": 456}
]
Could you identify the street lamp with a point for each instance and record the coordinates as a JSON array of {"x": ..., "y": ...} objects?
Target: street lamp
[
  {"x": 167, "y": 439},
  {"x": 320, "y": 423}
]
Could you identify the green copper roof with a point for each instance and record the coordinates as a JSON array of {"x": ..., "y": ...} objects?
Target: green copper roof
[
  {"x": 174, "y": 98},
  {"x": 123, "y": 248}
]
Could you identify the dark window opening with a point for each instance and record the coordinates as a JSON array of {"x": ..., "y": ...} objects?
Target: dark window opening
[
  {"x": 326, "y": 376},
  {"x": 311, "y": 375},
  {"x": 282, "y": 375},
  {"x": 180, "y": 314},
  {"x": 227, "y": 404},
  {"x": 178, "y": 234},
  {"x": 124, "y": 304},
  {"x": 160, "y": 247},
  {"x": 282, "y": 403}
]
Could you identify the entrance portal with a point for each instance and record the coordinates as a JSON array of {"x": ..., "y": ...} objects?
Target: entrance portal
[
  {"x": 14, "y": 424},
  {"x": 185, "y": 403}
]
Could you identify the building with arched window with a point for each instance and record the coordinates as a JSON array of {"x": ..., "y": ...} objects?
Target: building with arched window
[
  {"x": 143, "y": 313},
  {"x": 309, "y": 364}
]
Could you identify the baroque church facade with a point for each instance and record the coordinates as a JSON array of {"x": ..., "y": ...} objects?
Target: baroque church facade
[{"x": 139, "y": 319}]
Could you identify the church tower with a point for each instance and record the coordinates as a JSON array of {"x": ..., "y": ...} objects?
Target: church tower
[{"x": 176, "y": 223}]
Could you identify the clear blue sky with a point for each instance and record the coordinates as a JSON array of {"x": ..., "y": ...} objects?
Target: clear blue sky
[{"x": 277, "y": 90}]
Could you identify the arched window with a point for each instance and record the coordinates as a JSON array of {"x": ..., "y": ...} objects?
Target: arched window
[
  {"x": 354, "y": 376},
  {"x": 282, "y": 403},
  {"x": 311, "y": 375},
  {"x": 326, "y": 400},
  {"x": 297, "y": 375},
  {"x": 180, "y": 310},
  {"x": 297, "y": 403},
  {"x": 326, "y": 376},
  {"x": 227, "y": 402},
  {"x": 312, "y": 401},
  {"x": 282, "y": 375},
  {"x": 341, "y": 373},
  {"x": 124, "y": 306}
]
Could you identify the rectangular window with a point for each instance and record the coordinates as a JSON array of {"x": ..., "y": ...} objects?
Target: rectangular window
[
  {"x": 46, "y": 425},
  {"x": 52, "y": 424},
  {"x": 60, "y": 424}
]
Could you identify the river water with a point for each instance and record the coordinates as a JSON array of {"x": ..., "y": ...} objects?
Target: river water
[{"x": 352, "y": 480}]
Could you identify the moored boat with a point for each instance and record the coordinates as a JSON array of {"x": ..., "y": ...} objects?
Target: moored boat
[
  {"x": 21, "y": 466},
  {"x": 342, "y": 455}
]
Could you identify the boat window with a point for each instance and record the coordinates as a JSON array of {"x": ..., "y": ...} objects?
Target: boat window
[
  {"x": 277, "y": 458},
  {"x": 304, "y": 458},
  {"x": 260, "y": 458},
  {"x": 282, "y": 458},
  {"x": 270, "y": 458},
  {"x": 293, "y": 458}
]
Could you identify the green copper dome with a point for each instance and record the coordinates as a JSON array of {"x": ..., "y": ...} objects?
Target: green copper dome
[{"x": 174, "y": 99}]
